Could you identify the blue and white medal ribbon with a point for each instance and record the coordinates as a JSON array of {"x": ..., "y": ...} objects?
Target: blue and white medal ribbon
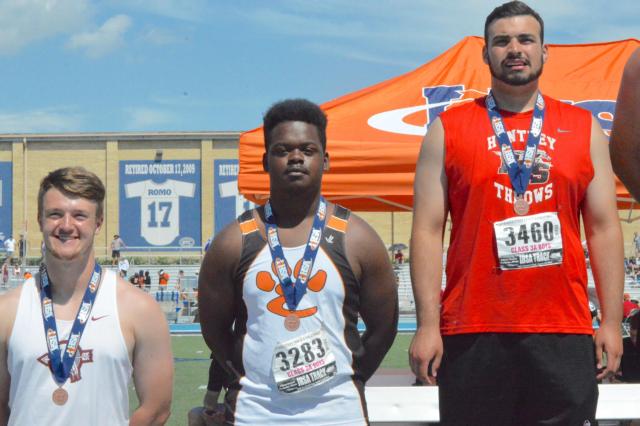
[
  {"x": 519, "y": 173},
  {"x": 60, "y": 362},
  {"x": 293, "y": 293}
]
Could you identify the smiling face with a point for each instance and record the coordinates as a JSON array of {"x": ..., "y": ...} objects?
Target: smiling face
[
  {"x": 68, "y": 225},
  {"x": 514, "y": 51},
  {"x": 295, "y": 159}
]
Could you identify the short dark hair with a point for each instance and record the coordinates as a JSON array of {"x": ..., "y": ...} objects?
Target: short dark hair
[
  {"x": 74, "y": 182},
  {"x": 508, "y": 10},
  {"x": 295, "y": 110}
]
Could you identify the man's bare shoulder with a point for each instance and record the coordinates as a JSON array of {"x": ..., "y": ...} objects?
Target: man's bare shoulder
[
  {"x": 358, "y": 228},
  {"x": 226, "y": 246},
  {"x": 362, "y": 241},
  {"x": 133, "y": 302}
]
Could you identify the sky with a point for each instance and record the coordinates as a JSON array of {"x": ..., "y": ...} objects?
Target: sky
[{"x": 198, "y": 65}]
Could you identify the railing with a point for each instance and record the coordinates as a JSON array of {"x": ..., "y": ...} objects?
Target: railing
[{"x": 179, "y": 307}]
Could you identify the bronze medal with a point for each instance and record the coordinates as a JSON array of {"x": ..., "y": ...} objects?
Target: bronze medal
[
  {"x": 60, "y": 396},
  {"x": 292, "y": 322},
  {"x": 521, "y": 207}
]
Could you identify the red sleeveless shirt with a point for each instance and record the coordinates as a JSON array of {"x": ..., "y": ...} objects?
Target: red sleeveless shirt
[{"x": 480, "y": 296}]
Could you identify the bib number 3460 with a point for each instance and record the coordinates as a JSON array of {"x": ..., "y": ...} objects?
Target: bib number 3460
[{"x": 529, "y": 241}]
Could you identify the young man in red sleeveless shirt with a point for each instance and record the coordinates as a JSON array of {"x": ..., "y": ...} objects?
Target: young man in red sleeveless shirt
[{"x": 510, "y": 341}]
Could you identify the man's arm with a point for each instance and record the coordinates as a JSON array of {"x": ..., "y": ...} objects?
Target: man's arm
[
  {"x": 152, "y": 358},
  {"x": 604, "y": 238},
  {"x": 5, "y": 381},
  {"x": 378, "y": 293},
  {"x": 9, "y": 308},
  {"x": 625, "y": 134},
  {"x": 430, "y": 208},
  {"x": 216, "y": 293}
]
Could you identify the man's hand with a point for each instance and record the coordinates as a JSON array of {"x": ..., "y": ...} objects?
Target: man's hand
[
  {"x": 608, "y": 339},
  {"x": 425, "y": 354}
]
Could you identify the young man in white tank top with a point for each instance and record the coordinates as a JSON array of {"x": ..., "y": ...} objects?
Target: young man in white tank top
[
  {"x": 71, "y": 337},
  {"x": 295, "y": 356}
]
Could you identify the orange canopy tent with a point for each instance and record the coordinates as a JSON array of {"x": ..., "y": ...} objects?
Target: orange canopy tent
[{"x": 374, "y": 134}]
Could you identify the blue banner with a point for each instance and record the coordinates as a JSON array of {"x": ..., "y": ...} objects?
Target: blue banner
[
  {"x": 160, "y": 204},
  {"x": 228, "y": 203},
  {"x": 6, "y": 192}
]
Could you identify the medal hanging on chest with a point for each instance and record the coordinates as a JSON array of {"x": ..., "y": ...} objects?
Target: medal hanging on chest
[
  {"x": 60, "y": 362},
  {"x": 294, "y": 291},
  {"x": 519, "y": 173}
]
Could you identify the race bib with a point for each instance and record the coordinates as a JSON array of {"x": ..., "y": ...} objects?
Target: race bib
[
  {"x": 529, "y": 241},
  {"x": 302, "y": 363}
]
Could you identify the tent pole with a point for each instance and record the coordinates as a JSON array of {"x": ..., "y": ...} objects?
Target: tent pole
[{"x": 393, "y": 231}]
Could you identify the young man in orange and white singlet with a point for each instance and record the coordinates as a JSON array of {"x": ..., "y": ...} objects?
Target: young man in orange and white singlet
[
  {"x": 625, "y": 133},
  {"x": 71, "y": 336},
  {"x": 280, "y": 290},
  {"x": 511, "y": 340}
]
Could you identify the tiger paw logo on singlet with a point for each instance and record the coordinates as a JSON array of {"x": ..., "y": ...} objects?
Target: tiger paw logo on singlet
[
  {"x": 278, "y": 305},
  {"x": 82, "y": 357}
]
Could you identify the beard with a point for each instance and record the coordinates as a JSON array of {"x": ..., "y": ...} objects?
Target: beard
[{"x": 515, "y": 78}]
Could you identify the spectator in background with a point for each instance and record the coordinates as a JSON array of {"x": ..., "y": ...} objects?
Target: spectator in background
[
  {"x": 147, "y": 281},
  {"x": 116, "y": 245},
  {"x": 5, "y": 273},
  {"x": 135, "y": 279},
  {"x": 636, "y": 243},
  {"x": 10, "y": 247},
  {"x": 163, "y": 279},
  {"x": 630, "y": 364},
  {"x": 399, "y": 257},
  {"x": 180, "y": 283},
  {"x": 628, "y": 305},
  {"x": 596, "y": 317},
  {"x": 22, "y": 248},
  {"x": 123, "y": 266}
]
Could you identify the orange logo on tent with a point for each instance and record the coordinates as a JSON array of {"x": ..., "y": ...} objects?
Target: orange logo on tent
[{"x": 278, "y": 306}]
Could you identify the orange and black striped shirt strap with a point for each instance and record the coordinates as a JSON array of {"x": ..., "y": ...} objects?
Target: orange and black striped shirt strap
[
  {"x": 248, "y": 226},
  {"x": 338, "y": 223}
]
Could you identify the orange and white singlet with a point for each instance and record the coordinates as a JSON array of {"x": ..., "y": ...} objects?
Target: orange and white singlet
[
  {"x": 507, "y": 273},
  {"x": 98, "y": 385},
  {"x": 308, "y": 376}
]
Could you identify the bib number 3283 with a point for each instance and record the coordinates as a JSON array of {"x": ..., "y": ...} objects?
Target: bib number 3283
[
  {"x": 303, "y": 362},
  {"x": 529, "y": 241}
]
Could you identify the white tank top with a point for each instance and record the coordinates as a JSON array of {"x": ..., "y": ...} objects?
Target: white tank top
[
  {"x": 98, "y": 386},
  {"x": 337, "y": 402}
]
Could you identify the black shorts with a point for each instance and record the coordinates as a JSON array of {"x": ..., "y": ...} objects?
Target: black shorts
[
  {"x": 115, "y": 254},
  {"x": 518, "y": 379}
]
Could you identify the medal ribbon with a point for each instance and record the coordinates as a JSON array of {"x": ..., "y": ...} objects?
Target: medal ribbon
[
  {"x": 293, "y": 293},
  {"x": 519, "y": 173},
  {"x": 61, "y": 363}
]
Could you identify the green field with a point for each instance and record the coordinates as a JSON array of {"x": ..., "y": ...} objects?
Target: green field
[{"x": 192, "y": 367}]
